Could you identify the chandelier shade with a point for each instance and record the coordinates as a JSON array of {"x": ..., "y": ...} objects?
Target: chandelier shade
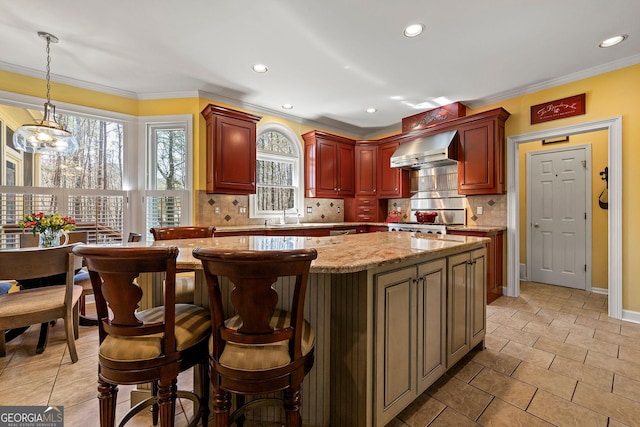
[{"x": 46, "y": 136}]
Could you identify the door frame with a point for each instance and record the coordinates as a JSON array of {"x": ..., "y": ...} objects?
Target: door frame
[
  {"x": 586, "y": 148},
  {"x": 613, "y": 126}
]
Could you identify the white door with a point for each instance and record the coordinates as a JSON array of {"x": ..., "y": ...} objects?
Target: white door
[{"x": 557, "y": 220}]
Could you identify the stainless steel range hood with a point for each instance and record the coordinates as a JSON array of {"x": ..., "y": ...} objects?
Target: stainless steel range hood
[{"x": 429, "y": 151}]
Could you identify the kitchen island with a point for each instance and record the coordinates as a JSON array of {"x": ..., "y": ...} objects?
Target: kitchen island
[{"x": 392, "y": 312}]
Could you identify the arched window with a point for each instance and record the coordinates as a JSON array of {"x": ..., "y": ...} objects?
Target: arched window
[{"x": 278, "y": 174}]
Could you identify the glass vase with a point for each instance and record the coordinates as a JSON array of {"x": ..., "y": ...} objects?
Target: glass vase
[{"x": 49, "y": 238}]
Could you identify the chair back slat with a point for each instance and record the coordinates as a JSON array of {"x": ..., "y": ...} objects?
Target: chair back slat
[
  {"x": 113, "y": 271},
  {"x": 253, "y": 274},
  {"x": 186, "y": 232},
  {"x": 33, "y": 263}
]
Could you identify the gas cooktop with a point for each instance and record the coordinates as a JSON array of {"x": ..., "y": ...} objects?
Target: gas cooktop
[{"x": 418, "y": 227}]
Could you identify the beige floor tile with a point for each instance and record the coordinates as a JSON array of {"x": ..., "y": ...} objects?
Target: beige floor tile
[
  {"x": 594, "y": 314},
  {"x": 598, "y": 324},
  {"x": 528, "y": 354},
  {"x": 561, "y": 412},
  {"x": 626, "y": 387},
  {"x": 562, "y": 349},
  {"x": 506, "y": 388},
  {"x": 491, "y": 326},
  {"x": 505, "y": 320},
  {"x": 609, "y": 404},
  {"x": 592, "y": 344},
  {"x": 558, "y": 315},
  {"x": 498, "y": 309},
  {"x": 393, "y": 423},
  {"x": 556, "y": 333},
  {"x": 29, "y": 394},
  {"x": 623, "y": 367},
  {"x": 21, "y": 374},
  {"x": 533, "y": 317},
  {"x": 422, "y": 411},
  {"x": 465, "y": 370},
  {"x": 497, "y": 361},
  {"x": 528, "y": 306},
  {"x": 553, "y": 382},
  {"x": 451, "y": 418},
  {"x": 575, "y": 302},
  {"x": 501, "y": 414},
  {"x": 595, "y": 376},
  {"x": 460, "y": 396},
  {"x": 627, "y": 341},
  {"x": 71, "y": 393},
  {"x": 516, "y": 335},
  {"x": 572, "y": 327},
  {"x": 630, "y": 330},
  {"x": 495, "y": 342},
  {"x": 629, "y": 354}
]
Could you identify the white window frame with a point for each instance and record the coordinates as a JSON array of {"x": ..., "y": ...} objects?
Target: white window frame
[
  {"x": 145, "y": 151},
  {"x": 298, "y": 172}
]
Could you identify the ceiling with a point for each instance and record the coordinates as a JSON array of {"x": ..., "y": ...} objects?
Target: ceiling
[{"x": 330, "y": 59}]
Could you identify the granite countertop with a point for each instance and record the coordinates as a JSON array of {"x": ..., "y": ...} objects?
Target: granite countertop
[
  {"x": 480, "y": 228},
  {"x": 303, "y": 225},
  {"x": 337, "y": 254}
]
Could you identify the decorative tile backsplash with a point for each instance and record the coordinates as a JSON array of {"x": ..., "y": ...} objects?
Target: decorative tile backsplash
[{"x": 222, "y": 209}]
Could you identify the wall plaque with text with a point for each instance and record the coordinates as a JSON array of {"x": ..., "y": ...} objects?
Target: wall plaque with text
[{"x": 558, "y": 109}]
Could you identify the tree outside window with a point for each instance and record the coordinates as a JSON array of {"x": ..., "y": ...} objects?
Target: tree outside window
[{"x": 278, "y": 173}]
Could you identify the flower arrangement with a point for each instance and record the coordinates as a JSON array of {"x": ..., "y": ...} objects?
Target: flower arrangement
[{"x": 40, "y": 223}]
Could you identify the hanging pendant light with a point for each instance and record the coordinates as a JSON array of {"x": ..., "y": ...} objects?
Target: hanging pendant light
[{"x": 46, "y": 136}]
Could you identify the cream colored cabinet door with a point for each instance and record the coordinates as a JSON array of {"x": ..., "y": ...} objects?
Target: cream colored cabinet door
[
  {"x": 432, "y": 308},
  {"x": 395, "y": 342},
  {"x": 466, "y": 304},
  {"x": 478, "y": 296}
]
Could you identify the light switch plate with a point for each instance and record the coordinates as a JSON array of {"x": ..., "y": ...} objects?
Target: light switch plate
[{"x": 479, "y": 210}]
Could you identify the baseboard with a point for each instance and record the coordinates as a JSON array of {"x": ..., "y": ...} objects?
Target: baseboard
[
  {"x": 631, "y": 316},
  {"x": 603, "y": 291},
  {"x": 523, "y": 271}
]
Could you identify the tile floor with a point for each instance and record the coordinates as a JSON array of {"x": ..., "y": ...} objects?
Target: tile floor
[{"x": 553, "y": 357}]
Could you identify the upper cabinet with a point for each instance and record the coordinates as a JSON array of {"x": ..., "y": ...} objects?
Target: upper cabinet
[
  {"x": 366, "y": 169},
  {"x": 329, "y": 163},
  {"x": 392, "y": 182},
  {"x": 231, "y": 150},
  {"x": 481, "y": 157}
]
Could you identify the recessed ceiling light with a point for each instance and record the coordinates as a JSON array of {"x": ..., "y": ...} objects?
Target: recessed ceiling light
[
  {"x": 612, "y": 41},
  {"x": 287, "y": 106},
  {"x": 413, "y": 30},
  {"x": 396, "y": 98},
  {"x": 260, "y": 68},
  {"x": 371, "y": 110}
]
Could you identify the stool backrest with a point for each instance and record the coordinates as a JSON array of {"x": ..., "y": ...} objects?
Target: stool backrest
[
  {"x": 186, "y": 232},
  {"x": 113, "y": 271},
  {"x": 253, "y": 273}
]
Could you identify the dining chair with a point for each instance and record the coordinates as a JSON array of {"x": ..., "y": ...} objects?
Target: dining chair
[
  {"x": 43, "y": 304},
  {"x": 185, "y": 281},
  {"x": 262, "y": 349},
  {"x": 145, "y": 346}
]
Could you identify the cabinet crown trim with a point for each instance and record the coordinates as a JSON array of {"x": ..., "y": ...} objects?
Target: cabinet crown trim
[{"x": 211, "y": 109}]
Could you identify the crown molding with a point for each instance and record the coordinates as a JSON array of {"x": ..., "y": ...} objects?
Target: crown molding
[{"x": 548, "y": 84}]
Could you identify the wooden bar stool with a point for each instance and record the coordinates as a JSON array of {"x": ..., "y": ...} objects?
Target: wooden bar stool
[
  {"x": 262, "y": 349},
  {"x": 151, "y": 345}
]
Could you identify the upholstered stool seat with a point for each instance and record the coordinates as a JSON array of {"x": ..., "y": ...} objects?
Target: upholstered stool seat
[
  {"x": 258, "y": 357},
  {"x": 192, "y": 325}
]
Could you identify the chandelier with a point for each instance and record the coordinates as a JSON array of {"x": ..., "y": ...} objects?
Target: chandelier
[{"x": 46, "y": 136}]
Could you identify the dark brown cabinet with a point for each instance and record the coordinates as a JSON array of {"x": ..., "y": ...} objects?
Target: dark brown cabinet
[
  {"x": 231, "y": 150},
  {"x": 392, "y": 182},
  {"x": 481, "y": 155},
  {"x": 495, "y": 260},
  {"x": 329, "y": 165},
  {"x": 366, "y": 169}
]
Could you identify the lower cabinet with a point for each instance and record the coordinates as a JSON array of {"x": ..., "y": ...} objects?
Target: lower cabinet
[
  {"x": 427, "y": 317},
  {"x": 466, "y": 305}
]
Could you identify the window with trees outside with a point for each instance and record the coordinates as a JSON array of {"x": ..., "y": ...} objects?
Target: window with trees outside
[
  {"x": 168, "y": 185},
  {"x": 278, "y": 174},
  {"x": 87, "y": 186}
]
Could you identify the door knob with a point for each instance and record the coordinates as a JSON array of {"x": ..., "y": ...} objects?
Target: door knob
[{"x": 536, "y": 225}]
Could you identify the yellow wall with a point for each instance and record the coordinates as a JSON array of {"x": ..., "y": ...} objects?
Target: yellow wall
[
  {"x": 599, "y": 232},
  {"x": 607, "y": 95}
]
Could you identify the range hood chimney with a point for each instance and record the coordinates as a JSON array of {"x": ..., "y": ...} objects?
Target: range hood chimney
[{"x": 428, "y": 151}]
